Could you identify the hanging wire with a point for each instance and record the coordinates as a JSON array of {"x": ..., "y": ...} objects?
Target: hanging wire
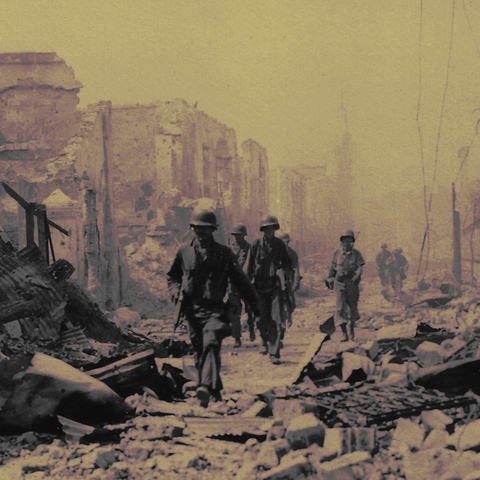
[
  {"x": 437, "y": 146},
  {"x": 443, "y": 107},
  {"x": 471, "y": 30},
  {"x": 465, "y": 158},
  {"x": 419, "y": 129}
]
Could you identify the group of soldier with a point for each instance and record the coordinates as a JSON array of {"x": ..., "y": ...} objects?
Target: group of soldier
[
  {"x": 264, "y": 275},
  {"x": 392, "y": 267}
]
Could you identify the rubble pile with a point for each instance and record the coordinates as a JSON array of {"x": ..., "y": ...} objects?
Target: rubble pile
[
  {"x": 111, "y": 395},
  {"x": 146, "y": 262}
]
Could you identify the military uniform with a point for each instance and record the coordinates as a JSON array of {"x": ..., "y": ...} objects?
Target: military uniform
[
  {"x": 203, "y": 274},
  {"x": 381, "y": 261},
  {"x": 234, "y": 302},
  {"x": 267, "y": 258},
  {"x": 345, "y": 264},
  {"x": 397, "y": 265},
  {"x": 294, "y": 282}
]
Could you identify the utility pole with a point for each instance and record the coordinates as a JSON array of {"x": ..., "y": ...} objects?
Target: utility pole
[{"x": 457, "y": 251}]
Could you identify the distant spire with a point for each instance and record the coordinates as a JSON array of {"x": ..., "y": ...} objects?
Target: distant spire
[{"x": 344, "y": 113}]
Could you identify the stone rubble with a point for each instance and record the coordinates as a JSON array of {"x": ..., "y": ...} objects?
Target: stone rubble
[{"x": 289, "y": 437}]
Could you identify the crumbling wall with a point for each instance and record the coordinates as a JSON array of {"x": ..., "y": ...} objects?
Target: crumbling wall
[
  {"x": 134, "y": 174},
  {"x": 287, "y": 190},
  {"x": 164, "y": 153},
  {"x": 254, "y": 195},
  {"x": 38, "y": 116},
  {"x": 83, "y": 174},
  {"x": 38, "y": 100}
]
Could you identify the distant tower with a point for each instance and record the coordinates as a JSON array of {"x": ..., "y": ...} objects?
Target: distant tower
[{"x": 344, "y": 183}]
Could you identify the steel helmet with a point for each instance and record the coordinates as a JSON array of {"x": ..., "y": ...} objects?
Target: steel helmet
[
  {"x": 285, "y": 237},
  {"x": 348, "y": 233},
  {"x": 270, "y": 221},
  {"x": 239, "y": 229},
  {"x": 203, "y": 218},
  {"x": 384, "y": 245}
]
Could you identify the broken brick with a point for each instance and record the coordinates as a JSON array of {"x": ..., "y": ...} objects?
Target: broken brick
[
  {"x": 435, "y": 419},
  {"x": 287, "y": 409},
  {"x": 429, "y": 354},
  {"x": 340, "y": 468},
  {"x": 436, "y": 439},
  {"x": 305, "y": 430},
  {"x": 296, "y": 469},
  {"x": 407, "y": 435}
]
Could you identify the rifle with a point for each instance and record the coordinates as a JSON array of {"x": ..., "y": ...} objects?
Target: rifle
[{"x": 177, "y": 318}]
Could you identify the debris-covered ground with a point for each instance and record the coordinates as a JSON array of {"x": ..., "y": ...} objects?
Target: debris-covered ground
[{"x": 399, "y": 402}]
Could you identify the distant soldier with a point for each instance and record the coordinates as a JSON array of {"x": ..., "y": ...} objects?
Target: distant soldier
[
  {"x": 397, "y": 266},
  {"x": 344, "y": 277},
  {"x": 199, "y": 278},
  {"x": 269, "y": 258},
  {"x": 293, "y": 279},
  {"x": 381, "y": 261},
  {"x": 242, "y": 250}
]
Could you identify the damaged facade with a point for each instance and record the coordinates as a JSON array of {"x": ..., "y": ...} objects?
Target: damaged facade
[
  {"x": 170, "y": 155},
  {"x": 52, "y": 153},
  {"x": 116, "y": 175}
]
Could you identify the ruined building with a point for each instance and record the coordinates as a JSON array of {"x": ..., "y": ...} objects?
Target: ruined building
[
  {"x": 171, "y": 157},
  {"x": 51, "y": 153},
  {"x": 112, "y": 175}
]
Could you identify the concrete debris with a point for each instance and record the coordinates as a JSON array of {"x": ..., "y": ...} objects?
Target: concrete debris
[
  {"x": 305, "y": 430},
  {"x": 50, "y": 387},
  {"x": 295, "y": 469},
  {"x": 394, "y": 405}
]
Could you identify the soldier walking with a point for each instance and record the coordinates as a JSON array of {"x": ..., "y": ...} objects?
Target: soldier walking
[
  {"x": 397, "y": 265},
  {"x": 381, "y": 261},
  {"x": 344, "y": 276},
  {"x": 242, "y": 250},
  {"x": 269, "y": 258},
  {"x": 293, "y": 279},
  {"x": 199, "y": 278}
]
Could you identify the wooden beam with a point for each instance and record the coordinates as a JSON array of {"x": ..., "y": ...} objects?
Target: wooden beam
[
  {"x": 30, "y": 223},
  {"x": 25, "y": 205},
  {"x": 42, "y": 230}
]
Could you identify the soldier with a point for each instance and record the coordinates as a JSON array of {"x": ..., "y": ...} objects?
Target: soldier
[
  {"x": 293, "y": 279},
  {"x": 241, "y": 248},
  {"x": 397, "y": 265},
  {"x": 199, "y": 276},
  {"x": 344, "y": 276},
  {"x": 381, "y": 264},
  {"x": 269, "y": 256}
]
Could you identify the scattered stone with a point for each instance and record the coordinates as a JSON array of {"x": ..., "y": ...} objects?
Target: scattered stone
[
  {"x": 436, "y": 439},
  {"x": 267, "y": 457},
  {"x": 340, "y": 468},
  {"x": 348, "y": 440},
  {"x": 259, "y": 409},
  {"x": 426, "y": 464},
  {"x": 276, "y": 431},
  {"x": 353, "y": 362},
  {"x": 429, "y": 354},
  {"x": 297, "y": 469},
  {"x": 407, "y": 435},
  {"x": 106, "y": 459},
  {"x": 470, "y": 436},
  {"x": 287, "y": 409},
  {"x": 305, "y": 430},
  {"x": 435, "y": 419}
]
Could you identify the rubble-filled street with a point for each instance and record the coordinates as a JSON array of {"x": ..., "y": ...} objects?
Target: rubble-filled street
[
  {"x": 239, "y": 240},
  {"x": 399, "y": 402}
]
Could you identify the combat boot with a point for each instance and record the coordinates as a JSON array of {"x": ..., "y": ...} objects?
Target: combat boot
[
  {"x": 351, "y": 332},
  {"x": 343, "y": 326}
]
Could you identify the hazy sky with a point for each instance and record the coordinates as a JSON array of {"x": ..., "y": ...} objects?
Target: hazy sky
[{"x": 276, "y": 70}]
